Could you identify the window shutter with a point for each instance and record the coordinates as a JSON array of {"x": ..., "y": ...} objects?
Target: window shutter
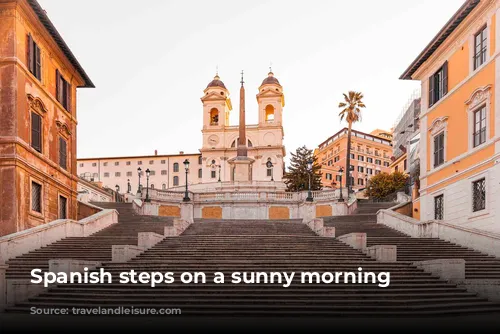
[
  {"x": 62, "y": 153},
  {"x": 30, "y": 54},
  {"x": 36, "y": 125},
  {"x": 37, "y": 63},
  {"x": 68, "y": 96},
  {"x": 445, "y": 78},
  {"x": 431, "y": 90},
  {"x": 58, "y": 86},
  {"x": 436, "y": 148}
]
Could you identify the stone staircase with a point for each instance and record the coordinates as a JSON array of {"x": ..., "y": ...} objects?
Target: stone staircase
[
  {"x": 240, "y": 246},
  {"x": 96, "y": 247},
  {"x": 477, "y": 266}
]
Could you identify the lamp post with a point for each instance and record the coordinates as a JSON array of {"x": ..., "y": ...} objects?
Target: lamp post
[
  {"x": 219, "y": 172},
  {"x": 341, "y": 172},
  {"x": 147, "y": 199},
  {"x": 139, "y": 172},
  {"x": 270, "y": 166},
  {"x": 186, "y": 194},
  {"x": 129, "y": 187},
  {"x": 309, "y": 169}
]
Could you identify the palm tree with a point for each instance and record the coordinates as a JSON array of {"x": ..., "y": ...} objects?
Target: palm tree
[{"x": 351, "y": 111}]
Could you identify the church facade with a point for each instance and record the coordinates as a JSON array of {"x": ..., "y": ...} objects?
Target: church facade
[{"x": 214, "y": 165}]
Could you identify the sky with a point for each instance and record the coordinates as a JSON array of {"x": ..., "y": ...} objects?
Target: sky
[{"x": 151, "y": 60}]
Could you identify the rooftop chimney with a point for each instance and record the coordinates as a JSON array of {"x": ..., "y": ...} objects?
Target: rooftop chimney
[
  {"x": 156, "y": 152},
  {"x": 181, "y": 152}
]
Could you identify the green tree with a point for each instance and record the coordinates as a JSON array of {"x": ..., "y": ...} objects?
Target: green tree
[
  {"x": 384, "y": 184},
  {"x": 297, "y": 177},
  {"x": 351, "y": 112}
]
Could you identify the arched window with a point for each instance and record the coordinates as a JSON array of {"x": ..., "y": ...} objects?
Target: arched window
[
  {"x": 214, "y": 116},
  {"x": 200, "y": 173},
  {"x": 176, "y": 167},
  {"x": 152, "y": 186},
  {"x": 200, "y": 160},
  {"x": 249, "y": 143},
  {"x": 164, "y": 186},
  {"x": 176, "y": 180},
  {"x": 269, "y": 113}
]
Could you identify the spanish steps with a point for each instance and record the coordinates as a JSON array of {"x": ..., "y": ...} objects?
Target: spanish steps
[{"x": 261, "y": 246}]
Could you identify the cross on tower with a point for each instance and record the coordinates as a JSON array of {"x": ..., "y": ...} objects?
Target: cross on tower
[{"x": 242, "y": 78}]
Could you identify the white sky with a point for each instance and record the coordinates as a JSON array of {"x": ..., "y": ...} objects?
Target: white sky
[{"x": 151, "y": 60}]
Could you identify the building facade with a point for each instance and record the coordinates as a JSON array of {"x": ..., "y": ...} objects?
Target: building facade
[
  {"x": 39, "y": 76},
  {"x": 94, "y": 192},
  {"x": 370, "y": 155},
  {"x": 212, "y": 165},
  {"x": 460, "y": 119}
]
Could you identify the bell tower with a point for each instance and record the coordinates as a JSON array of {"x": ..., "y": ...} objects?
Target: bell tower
[
  {"x": 271, "y": 101},
  {"x": 216, "y": 105}
]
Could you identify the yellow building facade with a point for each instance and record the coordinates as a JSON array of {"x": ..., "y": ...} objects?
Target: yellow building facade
[{"x": 460, "y": 120}]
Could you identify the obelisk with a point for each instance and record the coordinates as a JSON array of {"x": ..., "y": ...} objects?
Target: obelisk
[
  {"x": 242, "y": 164},
  {"x": 242, "y": 139}
]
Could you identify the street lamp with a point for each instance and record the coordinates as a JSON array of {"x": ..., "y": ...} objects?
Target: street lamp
[
  {"x": 139, "y": 172},
  {"x": 117, "y": 189},
  {"x": 186, "y": 194},
  {"x": 129, "y": 187},
  {"x": 309, "y": 169},
  {"x": 147, "y": 199},
  {"x": 341, "y": 172},
  {"x": 219, "y": 171},
  {"x": 270, "y": 166}
]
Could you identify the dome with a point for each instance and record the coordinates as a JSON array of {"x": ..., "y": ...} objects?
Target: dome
[
  {"x": 270, "y": 80},
  {"x": 216, "y": 82}
]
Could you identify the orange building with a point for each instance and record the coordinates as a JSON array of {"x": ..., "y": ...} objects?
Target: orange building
[
  {"x": 460, "y": 119},
  {"x": 370, "y": 155},
  {"x": 38, "y": 80}
]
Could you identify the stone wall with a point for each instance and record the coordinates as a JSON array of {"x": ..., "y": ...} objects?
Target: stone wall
[{"x": 85, "y": 210}]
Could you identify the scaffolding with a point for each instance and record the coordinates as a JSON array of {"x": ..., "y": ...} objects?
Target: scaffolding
[{"x": 407, "y": 124}]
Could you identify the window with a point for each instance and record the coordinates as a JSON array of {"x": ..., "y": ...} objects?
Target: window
[
  {"x": 377, "y": 172},
  {"x": 139, "y": 162},
  {"x": 439, "y": 207},
  {"x": 213, "y": 174},
  {"x": 128, "y": 163},
  {"x": 369, "y": 160},
  {"x": 36, "y": 197},
  {"x": 105, "y": 164},
  {"x": 405, "y": 164},
  {"x": 378, "y": 162},
  {"x": 479, "y": 195},
  {"x": 176, "y": 180},
  {"x": 361, "y": 169},
  {"x": 63, "y": 161},
  {"x": 329, "y": 163},
  {"x": 81, "y": 165},
  {"x": 360, "y": 182},
  {"x": 176, "y": 167},
  {"x": 438, "y": 84},
  {"x": 152, "y": 173},
  {"x": 164, "y": 172},
  {"x": 34, "y": 58},
  {"x": 200, "y": 160},
  {"x": 63, "y": 207},
  {"x": 352, "y": 156},
  {"x": 337, "y": 178},
  {"x": 63, "y": 91},
  {"x": 200, "y": 173},
  {"x": 117, "y": 163},
  {"x": 118, "y": 174},
  {"x": 361, "y": 158},
  {"x": 439, "y": 149},
  {"x": 269, "y": 172},
  {"x": 386, "y": 164},
  {"x": 369, "y": 171},
  {"x": 36, "y": 131},
  {"x": 152, "y": 186},
  {"x": 94, "y": 164},
  {"x": 163, "y": 162},
  {"x": 480, "y": 126},
  {"x": 377, "y": 153},
  {"x": 336, "y": 159},
  {"x": 480, "y": 47},
  {"x": 328, "y": 176},
  {"x": 151, "y": 162},
  {"x": 106, "y": 174},
  {"x": 164, "y": 186},
  {"x": 129, "y": 173},
  {"x": 214, "y": 116}
]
